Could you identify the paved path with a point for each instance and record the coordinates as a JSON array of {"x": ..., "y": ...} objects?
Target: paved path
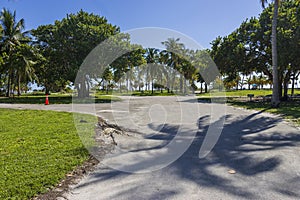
[{"x": 256, "y": 156}]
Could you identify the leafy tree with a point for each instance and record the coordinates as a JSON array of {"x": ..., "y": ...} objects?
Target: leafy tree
[
  {"x": 202, "y": 62},
  {"x": 66, "y": 43},
  {"x": 124, "y": 66},
  {"x": 107, "y": 78},
  {"x": 249, "y": 48},
  {"x": 230, "y": 56},
  {"x": 136, "y": 58},
  {"x": 49, "y": 71},
  {"x": 287, "y": 45}
]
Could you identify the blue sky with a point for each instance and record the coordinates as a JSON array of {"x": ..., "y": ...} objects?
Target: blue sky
[{"x": 202, "y": 20}]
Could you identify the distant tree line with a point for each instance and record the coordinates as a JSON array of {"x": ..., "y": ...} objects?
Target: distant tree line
[{"x": 51, "y": 56}]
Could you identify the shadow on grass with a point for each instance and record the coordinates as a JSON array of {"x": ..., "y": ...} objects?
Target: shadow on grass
[
  {"x": 244, "y": 146},
  {"x": 289, "y": 109}
]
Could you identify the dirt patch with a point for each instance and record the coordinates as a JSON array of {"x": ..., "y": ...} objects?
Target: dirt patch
[
  {"x": 70, "y": 179},
  {"x": 105, "y": 140}
]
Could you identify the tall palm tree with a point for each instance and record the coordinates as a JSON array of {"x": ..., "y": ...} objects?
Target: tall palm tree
[
  {"x": 152, "y": 61},
  {"x": 176, "y": 50},
  {"x": 24, "y": 62},
  {"x": 166, "y": 70},
  {"x": 11, "y": 38},
  {"x": 275, "y": 94}
]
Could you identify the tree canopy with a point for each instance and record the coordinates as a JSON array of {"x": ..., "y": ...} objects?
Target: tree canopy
[
  {"x": 53, "y": 54},
  {"x": 248, "y": 49}
]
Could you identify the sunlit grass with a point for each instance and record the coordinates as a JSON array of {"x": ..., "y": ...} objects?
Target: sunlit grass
[
  {"x": 57, "y": 98},
  {"x": 138, "y": 93},
  {"x": 289, "y": 109},
  {"x": 242, "y": 93},
  {"x": 37, "y": 150}
]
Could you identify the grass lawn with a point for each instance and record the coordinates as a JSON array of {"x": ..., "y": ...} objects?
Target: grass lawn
[
  {"x": 57, "y": 99},
  {"x": 37, "y": 150},
  {"x": 138, "y": 93},
  {"x": 155, "y": 93},
  {"x": 289, "y": 110},
  {"x": 244, "y": 93}
]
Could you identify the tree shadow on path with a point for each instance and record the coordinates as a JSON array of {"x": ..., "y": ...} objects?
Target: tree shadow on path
[
  {"x": 249, "y": 144},
  {"x": 245, "y": 146}
]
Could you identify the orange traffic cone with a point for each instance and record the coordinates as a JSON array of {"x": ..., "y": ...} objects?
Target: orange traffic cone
[{"x": 47, "y": 100}]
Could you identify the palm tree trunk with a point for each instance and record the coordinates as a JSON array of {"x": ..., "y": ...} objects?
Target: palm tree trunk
[
  {"x": 19, "y": 85},
  {"x": 139, "y": 78},
  {"x": 8, "y": 85},
  {"x": 201, "y": 88},
  {"x": 249, "y": 84},
  {"x": 173, "y": 80},
  {"x": 127, "y": 84},
  {"x": 168, "y": 83},
  {"x": 81, "y": 89},
  {"x": 108, "y": 83},
  {"x": 181, "y": 83},
  {"x": 161, "y": 84},
  {"x": 275, "y": 93},
  {"x": 285, "y": 90},
  {"x": 152, "y": 87},
  {"x": 87, "y": 92}
]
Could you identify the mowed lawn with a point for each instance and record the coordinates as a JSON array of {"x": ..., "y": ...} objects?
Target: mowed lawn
[
  {"x": 243, "y": 93},
  {"x": 57, "y": 98},
  {"x": 288, "y": 110},
  {"x": 37, "y": 150}
]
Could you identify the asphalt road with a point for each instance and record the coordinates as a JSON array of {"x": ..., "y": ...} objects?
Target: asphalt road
[{"x": 255, "y": 157}]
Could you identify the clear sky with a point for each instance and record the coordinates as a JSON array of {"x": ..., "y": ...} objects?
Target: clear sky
[{"x": 202, "y": 20}]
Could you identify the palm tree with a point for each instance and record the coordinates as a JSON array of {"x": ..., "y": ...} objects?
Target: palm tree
[
  {"x": 24, "y": 60},
  {"x": 166, "y": 70},
  {"x": 152, "y": 61},
  {"x": 176, "y": 51},
  {"x": 275, "y": 94},
  {"x": 11, "y": 37}
]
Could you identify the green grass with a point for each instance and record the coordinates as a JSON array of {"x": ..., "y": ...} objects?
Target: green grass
[
  {"x": 58, "y": 99},
  {"x": 155, "y": 93},
  {"x": 137, "y": 93},
  {"x": 37, "y": 150},
  {"x": 243, "y": 93},
  {"x": 289, "y": 110}
]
